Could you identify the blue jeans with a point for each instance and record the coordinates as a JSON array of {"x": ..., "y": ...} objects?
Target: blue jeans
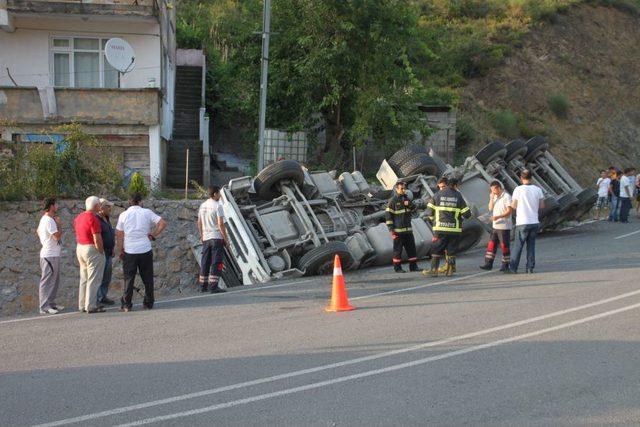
[
  {"x": 614, "y": 213},
  {"x": 524, "y": 234},
  {"x": 106, "y": 279}
]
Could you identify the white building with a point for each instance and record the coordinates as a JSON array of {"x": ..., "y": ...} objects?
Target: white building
[{"x": 53, "y": 71}]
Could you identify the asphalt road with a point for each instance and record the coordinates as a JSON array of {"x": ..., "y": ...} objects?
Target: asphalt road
[{"x": 559, "y": 347}]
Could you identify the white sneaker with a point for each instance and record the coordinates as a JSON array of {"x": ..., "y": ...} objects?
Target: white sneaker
[
  {"x": 49, "y": 311},
  {"x": 59, "y": 307}
]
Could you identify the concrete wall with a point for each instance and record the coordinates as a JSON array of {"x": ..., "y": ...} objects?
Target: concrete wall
[
  {"x": 93, "y": 106},
  {"x": 26, "y": 51},
  {"x": 175, "y": 267}
]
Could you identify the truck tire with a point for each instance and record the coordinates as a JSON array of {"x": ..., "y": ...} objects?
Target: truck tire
[
  {"x": 516, "y": 148},
  {"x": 319, "y": 261},
  {"x": 490, "y": 152},
  {"x": 265, "y": 184},
  {"x": 472, "y": 232},
  {"x": 550, "y": 217},
  {"x": 419, "y": 164},
  {"x": 567, "y": 203},
  {"x": 535, "y": 146},
  {"x": 442, "y": 166},
  {"x": 586, "y": 200},
  {"x": 403, "y": 155}
]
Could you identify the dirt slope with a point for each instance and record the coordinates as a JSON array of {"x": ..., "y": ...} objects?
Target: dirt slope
[{"x": 590, "y": 55}]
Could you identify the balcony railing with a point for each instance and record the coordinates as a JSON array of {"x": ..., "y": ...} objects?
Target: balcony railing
[
  {"x": 142, "y": 8},
  {"x": 25, "y": 105}
]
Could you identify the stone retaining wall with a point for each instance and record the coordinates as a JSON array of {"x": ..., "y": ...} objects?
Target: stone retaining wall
[{"x": 175, "y": 267}]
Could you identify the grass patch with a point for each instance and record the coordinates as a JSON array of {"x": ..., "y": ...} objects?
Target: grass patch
[
  {"x": 559, "y": 105},
  {"x": 506, "y": 123}
]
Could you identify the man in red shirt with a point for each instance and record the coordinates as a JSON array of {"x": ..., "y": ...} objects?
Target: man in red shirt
[{"x": 90, "y": 253}]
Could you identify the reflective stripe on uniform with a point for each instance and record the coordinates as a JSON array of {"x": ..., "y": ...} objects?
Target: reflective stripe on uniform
[
  {"x": 401, "y": 211},
  {"x": 402, "y": 230},
  {"x": 453, "y": 230}
]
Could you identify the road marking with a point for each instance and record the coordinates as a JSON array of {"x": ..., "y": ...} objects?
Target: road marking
[
  {"x": 428, "y": 285},
  {"x": 348, "y": 362},
  {"x": 371, "y": 373},
  {"x": 626, "y": 235},
  {"x": 245, "y": 288}
]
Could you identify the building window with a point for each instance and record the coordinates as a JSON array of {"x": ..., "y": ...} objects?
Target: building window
[{"x": 80, "y": 62}]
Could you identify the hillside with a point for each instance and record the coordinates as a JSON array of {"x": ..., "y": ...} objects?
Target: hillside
[{"x": 574, "y": 79}]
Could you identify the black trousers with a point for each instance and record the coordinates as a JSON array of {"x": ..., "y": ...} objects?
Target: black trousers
[
  {"x": 131, "y": 265},
  {"x": 406, "y": 241},
  {"x": 500, "y": 238},
  {"x": 211, "y": 262},
  {"x": 445, "y": 242}
]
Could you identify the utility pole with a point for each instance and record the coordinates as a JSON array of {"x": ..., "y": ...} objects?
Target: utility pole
[{"x": 266, "y": 32}]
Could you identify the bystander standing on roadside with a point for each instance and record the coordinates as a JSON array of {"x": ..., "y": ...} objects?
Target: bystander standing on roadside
[
  {"x": 614, "y": 191},
  {"x": 527, "y": 200},
  {"x": 137, "y": 227},
  {"x": 213, "y": 236},
  {"x": 602, "y": 185},
  {"x": 90, "y": 253},
  {"x": 638, "y": 195},
  {"x": 500, "y": 208},
  {"x": 49, "y": 232},
  {"x": 626, "y": 194},
  {"x": 109, "y": 242}
]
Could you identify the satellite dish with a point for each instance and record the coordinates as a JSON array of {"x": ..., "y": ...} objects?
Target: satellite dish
[{"x": 120, "y": 55}]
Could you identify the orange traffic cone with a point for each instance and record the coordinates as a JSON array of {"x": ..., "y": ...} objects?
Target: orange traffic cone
[{"x": 339, "y": 299}]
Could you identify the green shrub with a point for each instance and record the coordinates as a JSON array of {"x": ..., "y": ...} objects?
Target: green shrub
[
  {"x": 559, "y": 105},
  {"x": 137, "y": 185},
  {"x": 83, "y": 166},
  {"x": 466, "y": 134},
  {"x": 506, "y": 123}
]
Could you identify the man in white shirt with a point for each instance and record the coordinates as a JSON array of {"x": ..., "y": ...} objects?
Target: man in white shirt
[
  {"x": 626, "y": 193},
  {"x": 137, "y": 227},
  {"x": 527, "y": 199},
  {"x": 602, "y": 184},
  {"x": 213, "y": 236},
  {"x": 49, "y": 233},
  {"x": 500, "y": 207}
]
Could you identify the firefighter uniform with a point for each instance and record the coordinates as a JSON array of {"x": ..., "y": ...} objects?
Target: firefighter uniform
[
  {"x": 398, "y": 218},
  {"x": 446, "y": 211}
]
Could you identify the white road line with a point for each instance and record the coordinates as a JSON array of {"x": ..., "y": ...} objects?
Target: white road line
[
  {"x": 626, "y": 235},
  {"x": 348, "y": 362},
  {"x": 245, "y": 288},
  {"x": 378, "y": 371},
  {"x": 428, "y": 285}
]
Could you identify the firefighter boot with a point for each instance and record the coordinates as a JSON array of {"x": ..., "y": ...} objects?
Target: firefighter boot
[
  {"x": 505, "y": 266},
  {"x": 488, "y": 264},
  {"x": 398, "y": 268},
  {"x": 435, "y": 263},
  {"x": 451, "y": 266},
  {"x": 413, "y": 266}
]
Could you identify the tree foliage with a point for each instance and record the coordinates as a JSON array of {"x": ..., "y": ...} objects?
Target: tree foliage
[{"x": 359, "y": 67}]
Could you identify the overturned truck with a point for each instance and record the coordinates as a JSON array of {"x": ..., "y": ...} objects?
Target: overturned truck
[{"x": 289, "y": 221}]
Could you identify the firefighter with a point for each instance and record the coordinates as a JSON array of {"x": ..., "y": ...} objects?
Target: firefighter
[
  {"x": 398, "y": 216},
  {"x": 445, "y": 211}
]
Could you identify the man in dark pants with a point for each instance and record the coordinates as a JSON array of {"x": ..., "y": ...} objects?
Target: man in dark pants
[
  {"x": 108, "y": 242},
  {"x": 398, "y": 219},
  {"x": 137, "y": 227},
  {"x": 446, "y": 211},
  {"x": 213, "y": 235}
]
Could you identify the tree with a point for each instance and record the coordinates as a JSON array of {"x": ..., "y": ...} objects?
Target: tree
[
  {"x": 345, "y": 61},
  {"x": 348, "y": 61}
]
